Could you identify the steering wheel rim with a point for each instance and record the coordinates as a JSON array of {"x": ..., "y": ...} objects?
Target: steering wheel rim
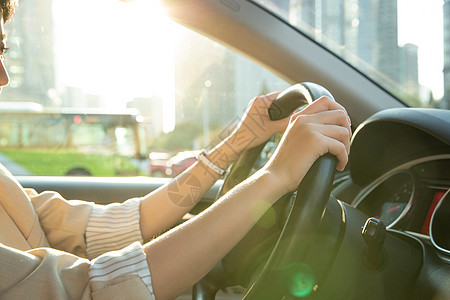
[{"x": 285, "y": 272}]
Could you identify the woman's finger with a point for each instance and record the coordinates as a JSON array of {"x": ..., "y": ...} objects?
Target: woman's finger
[
  {"x": 328, "y": 117},
  {"x": 322, "y": 104},
  {"x": 339, "y": 150},
  {"x": 337, "y": 133},
  {"x": 328, "y": 138}
]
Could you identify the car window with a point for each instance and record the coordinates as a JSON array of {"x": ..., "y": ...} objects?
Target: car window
[
  {"x": 134, "y": 94},
  {"x": 399, "y": 44}
]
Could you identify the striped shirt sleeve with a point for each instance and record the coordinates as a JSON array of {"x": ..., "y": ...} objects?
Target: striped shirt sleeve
[
  {"x": 128, "y": 261},
  {"x": 112, "y": 227},
  {"x": 114, "y": 243}
]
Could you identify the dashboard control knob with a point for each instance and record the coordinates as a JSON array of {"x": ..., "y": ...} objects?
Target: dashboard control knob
[{"x": 374, "y": 233}]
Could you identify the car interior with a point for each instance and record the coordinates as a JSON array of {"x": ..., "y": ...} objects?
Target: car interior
[{"x": 378, "y": 230}]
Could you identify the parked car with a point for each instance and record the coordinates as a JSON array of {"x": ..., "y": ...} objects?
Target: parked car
[
  {"x": 159, "y": 164},
  {"x": 162, "y": 165},
  {"x": 384, "y": 231},
  {"x": 181, "y": 161}
]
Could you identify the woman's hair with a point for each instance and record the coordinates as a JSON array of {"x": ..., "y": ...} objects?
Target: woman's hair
[{"x": 8, "y": 9}]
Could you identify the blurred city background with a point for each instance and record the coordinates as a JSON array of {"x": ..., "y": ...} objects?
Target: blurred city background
[{"x": 187, "y": 88}]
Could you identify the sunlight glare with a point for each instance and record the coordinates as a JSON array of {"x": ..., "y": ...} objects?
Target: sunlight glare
[{"x": 116, "y": 50}]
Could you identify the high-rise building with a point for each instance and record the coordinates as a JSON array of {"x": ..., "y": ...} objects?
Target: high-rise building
[
  {"x": 446, "y": 12},
  {"x": 31, "y": 59},
  {"x": 387, "y": 51},
  {"x": 363, "y": 32},
  {"x": 409, "y": 69}
]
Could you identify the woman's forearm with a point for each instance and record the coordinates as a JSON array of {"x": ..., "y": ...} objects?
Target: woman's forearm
[
  {"x": 165, "y": 206},
  {"x": 188, "y": 252}
]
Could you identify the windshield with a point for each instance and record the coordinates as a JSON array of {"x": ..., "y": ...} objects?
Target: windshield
[
  {"x": 185, "y": 90},
  {"x": 398, "y": 44}
]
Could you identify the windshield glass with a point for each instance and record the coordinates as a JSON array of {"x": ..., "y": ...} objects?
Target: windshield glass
[
  {"x": 398, "y": 44},
  {"x": 148, "y": 93}
]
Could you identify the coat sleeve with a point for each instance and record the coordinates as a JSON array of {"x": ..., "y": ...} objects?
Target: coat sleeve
[
  {"x": 42, "y": 273},
  {"x": 63, "y": 222},
  {"x": 46, "y": 273},
  {"x": 89, "y": 230}
]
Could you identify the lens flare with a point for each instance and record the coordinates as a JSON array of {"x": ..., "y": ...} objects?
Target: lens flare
[{"x": 301, "y": 284}]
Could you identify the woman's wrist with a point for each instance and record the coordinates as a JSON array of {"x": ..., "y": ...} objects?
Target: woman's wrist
[
  {"x": 213, "y": 167},
  {"x": 227, "y": 151},
  {"x": 276, "y": 188}
]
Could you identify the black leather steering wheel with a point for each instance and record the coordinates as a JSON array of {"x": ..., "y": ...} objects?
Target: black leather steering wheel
[{"x": 284, "y": 272}]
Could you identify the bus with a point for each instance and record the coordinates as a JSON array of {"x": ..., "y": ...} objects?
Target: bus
[{"x": 71, "y": 142}]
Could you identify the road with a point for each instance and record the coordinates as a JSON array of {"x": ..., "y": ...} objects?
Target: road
[{"x": 14, "y": 168}]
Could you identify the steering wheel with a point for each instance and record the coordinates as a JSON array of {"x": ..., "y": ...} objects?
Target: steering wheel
[{"x": 284, "y": 272}]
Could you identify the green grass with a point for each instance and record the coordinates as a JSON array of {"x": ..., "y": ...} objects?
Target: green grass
[{"x": 57, "y": 162}]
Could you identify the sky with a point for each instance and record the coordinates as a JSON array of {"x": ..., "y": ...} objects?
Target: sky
[
  {"x": 112, "y": 46},
  {"x": 421, "y": 23},
  {"x": 113, "y": 50}
]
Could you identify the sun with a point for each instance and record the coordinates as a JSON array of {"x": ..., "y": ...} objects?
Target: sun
[
  {"x": 116, "y": 50},
  {"x": 125, "y": 45}
]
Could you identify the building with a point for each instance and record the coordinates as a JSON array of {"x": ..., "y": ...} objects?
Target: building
[
  {"x": 361, "y": 43},
  {"x": 409, "y": 69},
  {"x": 446, "y": 70},
  {"x": 31, "y": 59}
]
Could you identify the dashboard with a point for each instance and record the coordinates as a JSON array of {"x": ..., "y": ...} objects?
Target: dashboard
[
  {"x": 406, "y": 196},
  {"x": 400, "y": 172}
]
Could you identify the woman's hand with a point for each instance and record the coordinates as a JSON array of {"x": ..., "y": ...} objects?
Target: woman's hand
[
  {"x": 255, "y": 126},
  {"x": 322, "y": 127}
]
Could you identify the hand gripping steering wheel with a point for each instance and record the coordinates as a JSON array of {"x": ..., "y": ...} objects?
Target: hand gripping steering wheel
[{"x": 284, "y": 272}]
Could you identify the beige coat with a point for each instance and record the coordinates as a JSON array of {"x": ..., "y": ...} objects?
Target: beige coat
[{"x": 42, "y": 248}]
